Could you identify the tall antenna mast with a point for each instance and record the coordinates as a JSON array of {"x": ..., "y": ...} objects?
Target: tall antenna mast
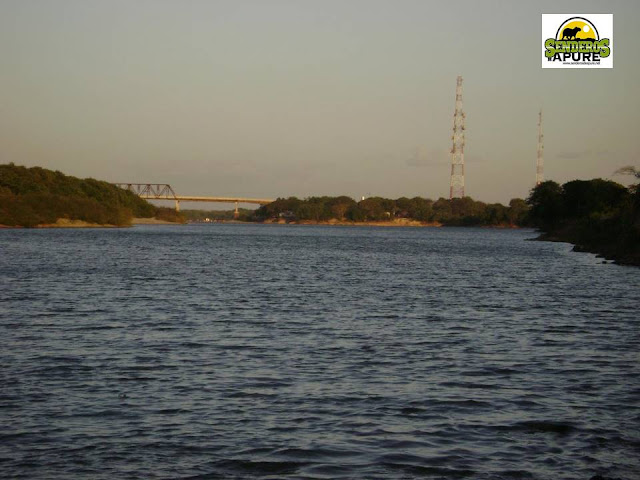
[
  {"x": 457, "y": 150},
  {"x": 540, "y": 159}
]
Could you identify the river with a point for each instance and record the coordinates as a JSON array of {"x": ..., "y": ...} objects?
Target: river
[{"x": 281, "y": 352}]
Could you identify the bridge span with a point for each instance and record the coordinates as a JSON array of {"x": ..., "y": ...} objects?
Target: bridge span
[{"x": 163, "y": 191}]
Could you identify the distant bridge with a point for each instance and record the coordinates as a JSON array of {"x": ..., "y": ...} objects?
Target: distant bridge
[{"x": 163, "y": 191}]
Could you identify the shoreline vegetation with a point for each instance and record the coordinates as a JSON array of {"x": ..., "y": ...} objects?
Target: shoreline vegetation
[
  {"x": 377, "y": 211},
  {"x": 597, "y": 216},
  {"x": 154, "y": 221},
  {"x": 398, "y": 222},
  {"x": 37, "y": 197}
]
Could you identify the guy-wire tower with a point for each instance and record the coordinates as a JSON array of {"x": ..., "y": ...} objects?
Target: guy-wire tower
[
  {"x": 540, "y": 158},
  {"x": 456, "y": 189}
]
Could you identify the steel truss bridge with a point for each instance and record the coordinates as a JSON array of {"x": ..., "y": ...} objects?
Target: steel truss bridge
[{"x": 163, "y": 191}]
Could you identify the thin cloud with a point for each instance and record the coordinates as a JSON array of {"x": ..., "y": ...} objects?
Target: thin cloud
[
  {"x": 438, "y": 158},
  {"x": 434, "y": 157},
  {"x": 576, "y": 154}
]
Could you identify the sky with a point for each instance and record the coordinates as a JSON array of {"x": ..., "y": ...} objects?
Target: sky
[{"x": 278, "y": 98}]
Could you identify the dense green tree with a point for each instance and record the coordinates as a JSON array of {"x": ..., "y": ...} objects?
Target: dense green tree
[
  {"x": 375, "y": 209},
  {"x": 495, "y": 214},
  {"x": 518, "y": 211},
  {"x": 634, "y": 189},
  {"x": 339, "y": 206},
  {"x": 421, "y": 209},
  {"x": 442, "y": 210},
  {"x": 32, "y": 196},
  {"x": 596, "y": 215},
  {"x": 582, "y": 198},
  {"x": 546, "y": 207},
  {"x": 458, "y": 211}
]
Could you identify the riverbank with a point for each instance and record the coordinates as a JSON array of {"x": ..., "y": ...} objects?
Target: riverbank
[
  {"x": 40, "y": 198},
  {"x": 66, "y": 223},
  {"x": 596, "y": 216},
  {"x": 153, "y": 221},
  {"x": 398, "y": 222},
  {"x": 618, "y": 254}
]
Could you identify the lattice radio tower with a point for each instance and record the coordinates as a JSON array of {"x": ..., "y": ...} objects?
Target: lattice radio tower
[
  {"x": 540, "y": 159},
  {"x": 457, "y": 150}
]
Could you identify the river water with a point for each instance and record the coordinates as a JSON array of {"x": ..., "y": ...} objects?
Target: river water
[{"x": 265, "y": 351}]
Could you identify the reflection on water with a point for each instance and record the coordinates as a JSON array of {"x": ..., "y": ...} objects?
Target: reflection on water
[{"x": 239, "y": 351}]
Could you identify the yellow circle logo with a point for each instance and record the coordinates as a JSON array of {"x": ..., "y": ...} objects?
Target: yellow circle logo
[{"x": 577, "y": 28}]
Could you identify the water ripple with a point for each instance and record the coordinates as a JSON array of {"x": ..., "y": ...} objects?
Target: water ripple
[{"x": 237, "y": 351}]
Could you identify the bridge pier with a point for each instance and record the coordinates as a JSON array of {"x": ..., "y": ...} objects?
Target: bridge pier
[
  {"x": 236, "y": 213},
  {"x": 177, "y": 205}
]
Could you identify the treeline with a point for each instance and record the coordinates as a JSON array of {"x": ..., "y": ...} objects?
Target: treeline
[
  {"x": 35, "y": 196},
  {"x": 598, "y": 216},
  {"x": 458, "y": 211}
]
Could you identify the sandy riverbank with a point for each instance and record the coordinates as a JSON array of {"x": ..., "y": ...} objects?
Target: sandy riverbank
[
  {"x": 152, "y": 221},
  {"x": 66, "y": 223},
  {"x": 398, "y": 222}
]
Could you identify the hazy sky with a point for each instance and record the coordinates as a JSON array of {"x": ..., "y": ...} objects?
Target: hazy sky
[{"x": 271, "y": 98}]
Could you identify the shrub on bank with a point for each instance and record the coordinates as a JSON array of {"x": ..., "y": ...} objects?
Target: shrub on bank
[{"x": 35, "y": 196}]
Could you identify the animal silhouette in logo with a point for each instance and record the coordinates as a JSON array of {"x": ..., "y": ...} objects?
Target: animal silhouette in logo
[{"x": 568, "y": 33}]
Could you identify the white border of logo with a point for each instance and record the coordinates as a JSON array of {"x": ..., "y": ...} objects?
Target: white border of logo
[{"x": 603, "y": 23}]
